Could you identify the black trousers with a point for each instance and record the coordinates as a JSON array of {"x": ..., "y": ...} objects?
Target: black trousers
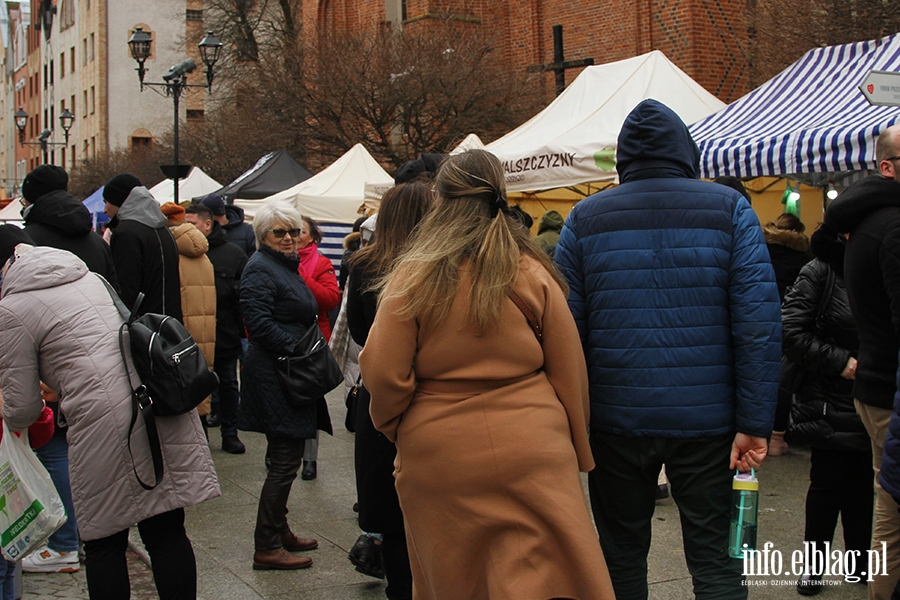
[
  {"x": 840, "y": 483},
  {"x": 623, "y": 497},
  {"x": 171, "y": 557},
  {"x": 285, "y": 458}
]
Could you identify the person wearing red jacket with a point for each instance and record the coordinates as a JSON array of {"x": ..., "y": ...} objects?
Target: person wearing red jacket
[{"x": 318, "y": 273}]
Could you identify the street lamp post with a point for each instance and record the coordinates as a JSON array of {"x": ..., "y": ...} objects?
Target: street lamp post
[
  {"x": 175, "y": 80},
  {"x": 65, "y": 120}
]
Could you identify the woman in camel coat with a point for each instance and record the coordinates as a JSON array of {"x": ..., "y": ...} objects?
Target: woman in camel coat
[{"x": 489, "y": 421}]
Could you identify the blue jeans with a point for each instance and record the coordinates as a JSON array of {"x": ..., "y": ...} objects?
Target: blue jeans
[
  {"x": 54, "y": 455},
  {"x": 7, "y": 580},
  {"x": 229, "y": 394}
]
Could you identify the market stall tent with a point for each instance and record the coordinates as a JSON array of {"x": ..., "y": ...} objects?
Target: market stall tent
[
  {"x": 809, "y": 119},
  {"x": 336, "y": 194},
  {"x": 11, "y": 212},
  {"x": 195, "y": 185},
  {"x": 573, "y": 140},
  {"x": 274, "y": 172}
]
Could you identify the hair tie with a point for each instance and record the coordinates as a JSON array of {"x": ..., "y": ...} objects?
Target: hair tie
[{"x": 498, "y": 203}]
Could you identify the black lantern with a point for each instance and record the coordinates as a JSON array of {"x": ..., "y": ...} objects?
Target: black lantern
[
  {"x": 21, "y": 122},
  {"x": 210, "y": 47},
  {"x": 65, "y": 119},
  {"x": 140, "y": 49}
]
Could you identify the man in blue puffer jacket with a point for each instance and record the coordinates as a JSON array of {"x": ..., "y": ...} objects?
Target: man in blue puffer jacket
[{"x": 676, "y": 304}]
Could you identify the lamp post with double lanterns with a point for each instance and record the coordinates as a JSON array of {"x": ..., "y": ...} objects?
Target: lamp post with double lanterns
[
  {"x": 175, "y": 82},
  {"x": 65, "y": 120}
]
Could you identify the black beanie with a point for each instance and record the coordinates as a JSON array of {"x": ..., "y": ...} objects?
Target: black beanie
[
  {"x": 10, "y": 237},
  {"x": 43, "y": 180},
  {"x": 117, "y": 189}
]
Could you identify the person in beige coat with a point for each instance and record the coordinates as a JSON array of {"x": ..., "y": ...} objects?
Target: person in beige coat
[
  {"x": 490, "y": 421},
  {"x": 198, "y": 287},
  {"x": 58, "y": 324}
]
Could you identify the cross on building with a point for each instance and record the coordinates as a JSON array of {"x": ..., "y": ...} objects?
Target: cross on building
[{"x": 560, "y": 64}]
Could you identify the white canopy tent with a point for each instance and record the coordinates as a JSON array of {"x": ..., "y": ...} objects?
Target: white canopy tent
[
  {"x": 470, "y": 142},
  {"x": 197, "y": 183},
  {"x": 573, "y": 140},
  {"x": 334, "y": 195},
  {"x": 12, "y": 212}
]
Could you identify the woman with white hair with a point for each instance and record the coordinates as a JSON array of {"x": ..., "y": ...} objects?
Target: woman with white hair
[{"x": 278, "y": 308}]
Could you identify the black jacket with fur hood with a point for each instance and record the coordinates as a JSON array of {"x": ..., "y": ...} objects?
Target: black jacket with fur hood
[{"x": 789, "y": 251}]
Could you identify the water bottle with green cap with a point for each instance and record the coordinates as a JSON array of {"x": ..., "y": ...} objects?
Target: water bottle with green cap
[{"x": 744, "y": 510}]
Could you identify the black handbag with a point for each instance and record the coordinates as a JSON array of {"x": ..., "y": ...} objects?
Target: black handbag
[
  {"x": 310, "y": 374},
  {"x": 351, "y": 403}
]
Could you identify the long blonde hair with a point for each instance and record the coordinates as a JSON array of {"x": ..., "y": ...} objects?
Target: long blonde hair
[{"x": 468, "y": 225}]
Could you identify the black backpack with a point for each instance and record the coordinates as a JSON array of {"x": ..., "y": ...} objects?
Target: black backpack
[{"x": 173, "y": 372}]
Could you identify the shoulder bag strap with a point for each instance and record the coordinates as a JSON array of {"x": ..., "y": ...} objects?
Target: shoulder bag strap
[
  {"x": 826, "y": 293},
  {"x": 532, "y": 321}
]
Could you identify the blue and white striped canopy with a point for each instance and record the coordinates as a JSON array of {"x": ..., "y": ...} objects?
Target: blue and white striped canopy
[{"x": 811, "y": 118}]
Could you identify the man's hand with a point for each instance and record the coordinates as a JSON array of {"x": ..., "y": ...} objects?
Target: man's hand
[
  {"x": 849, "y": 371},
  {"x": 748, "y": 451}
]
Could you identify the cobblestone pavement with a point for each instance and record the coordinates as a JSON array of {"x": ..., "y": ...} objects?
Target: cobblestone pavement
[{"x": 222, "y": 533}]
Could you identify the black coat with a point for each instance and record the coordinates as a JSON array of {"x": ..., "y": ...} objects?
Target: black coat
[
  {"x": 228, "y": 261},
  {"x": 278, "y": 308},
  {"x": 146, "y": 256},
  {"x": 60, "y": 221},
  {"x": 788, "y": 251},
  {"x": 239, "y": 232},
  {"x": 869, "y": 210},
  {"x": 823, "y": 414},
  {"x": 379, "y": 506}
]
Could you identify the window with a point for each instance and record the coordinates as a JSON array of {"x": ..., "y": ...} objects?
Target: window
[
  {"x": 85, "y": 105},
  {"x": 63, "y": 157},
  {"x": 92, "y": 100},
  {"x": 45, "y": 76},
  {"x": 62, "y": 65},
  {"x": 84, "y": 52},
  {"x": 73, "y": 157},
  {"x": 72, "y": 59},
  {"x": 51, "y": 73},
  {"x": 85, "y": 152},
  {"x": 93, "y": 147},
  {"x": 193, "y": 15},
  {"x": 72, "y": 108},
  {"x": 141, "y": 142},
  {"x": 46, "y": 126},
  {"x": 194, "y": 114},
  {"x": 92, "y": 47}
]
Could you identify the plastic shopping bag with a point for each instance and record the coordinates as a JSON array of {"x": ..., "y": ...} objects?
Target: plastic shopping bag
[{"x": 30, "y": 508}]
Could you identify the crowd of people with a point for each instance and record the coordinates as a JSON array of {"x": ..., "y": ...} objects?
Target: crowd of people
[{"x": 658, "y": 325}]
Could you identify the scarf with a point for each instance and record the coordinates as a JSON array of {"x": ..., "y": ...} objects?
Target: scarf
[{"x": 309, "y": 256}]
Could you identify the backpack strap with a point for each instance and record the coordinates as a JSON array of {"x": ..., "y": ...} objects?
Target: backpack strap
[
  {"x": 532, "y": 320},
  {"x": 140, "y": 399}
]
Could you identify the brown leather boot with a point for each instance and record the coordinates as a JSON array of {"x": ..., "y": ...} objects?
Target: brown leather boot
[
  {"x": 279, "y": 559},
  {"x": 292, "y": 543}
]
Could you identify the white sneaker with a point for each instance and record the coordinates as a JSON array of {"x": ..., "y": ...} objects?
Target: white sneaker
[{"x": 47, "y": 560}]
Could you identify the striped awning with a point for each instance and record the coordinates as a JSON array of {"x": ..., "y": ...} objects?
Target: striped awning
[{"x": 811, "y": 118}]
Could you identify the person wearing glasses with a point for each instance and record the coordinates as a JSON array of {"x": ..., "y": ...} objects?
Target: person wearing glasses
[
  {"x": 869, "y": 211},
  {"x": 278, "y": 308}
]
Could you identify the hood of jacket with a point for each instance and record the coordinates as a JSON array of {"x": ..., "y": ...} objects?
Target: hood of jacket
[
  {"x": 42, "y": 268},
  {"x": 551, "y": 221},
  {"x": 141, "y": 206},
  {"x": 352, "y": 240},
  {"x": 60, "y": 211},
  {"x": 860, "y": 200},
  {"x": 828, "y": 246},
  {"x": 655, "y": 142},
  {"x": 217, "y": 236},
  {"x": 793, "y": 240},
  {"x": 235, "y": 215},
  {"x": 190, "y": 241}
]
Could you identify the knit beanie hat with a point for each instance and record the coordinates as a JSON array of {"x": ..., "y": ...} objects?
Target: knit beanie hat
[
  {"x": 117, "y": 189},
  {"x": 174, "y": 213},
  {"x": 215, "y": 203},
  {"x": 10, "y": 237},
  {"x": 43, "y": 180}
]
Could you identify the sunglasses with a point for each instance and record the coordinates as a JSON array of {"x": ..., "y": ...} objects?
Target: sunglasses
[{"x": 280, "y": 233}]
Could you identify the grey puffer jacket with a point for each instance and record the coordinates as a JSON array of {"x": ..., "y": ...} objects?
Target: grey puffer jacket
[{"x": 58, "y": 324}]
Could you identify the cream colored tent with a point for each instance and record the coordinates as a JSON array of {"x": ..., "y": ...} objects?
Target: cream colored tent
[
  {"x": 197, "y": 183},
  {"x": 573, "y": 140},
  {"x": 336, "y": 194}
]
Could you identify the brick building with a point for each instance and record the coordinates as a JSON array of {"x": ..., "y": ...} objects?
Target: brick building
[{"x": 705, "y": 38}]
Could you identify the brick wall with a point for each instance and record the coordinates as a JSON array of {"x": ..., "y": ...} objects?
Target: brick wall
[{"x": 705, "y": 38}]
